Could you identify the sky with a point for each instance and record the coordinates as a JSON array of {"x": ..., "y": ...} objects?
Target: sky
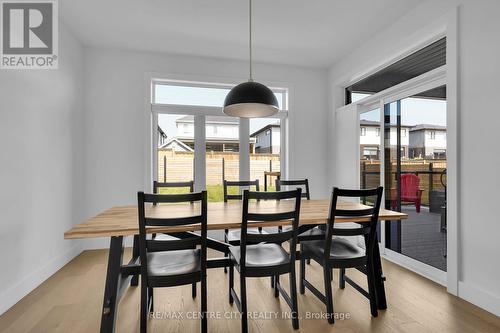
[{"x": 416, "y": 111}]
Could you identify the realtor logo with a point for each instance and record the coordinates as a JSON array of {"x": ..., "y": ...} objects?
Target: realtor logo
[{"x": 28, "y": 34}]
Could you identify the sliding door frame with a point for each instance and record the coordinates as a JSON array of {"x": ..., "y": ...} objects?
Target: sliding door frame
[{"x": 445, "y": 75}]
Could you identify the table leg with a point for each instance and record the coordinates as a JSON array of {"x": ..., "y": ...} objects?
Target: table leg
[
  {"x": 135, "y": 254},
  {"x": 113, "y": 285},
  {"x": 379, "y": 281}
]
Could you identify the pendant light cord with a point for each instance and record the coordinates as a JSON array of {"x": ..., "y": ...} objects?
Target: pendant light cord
[{"x": 250, "y": 38}]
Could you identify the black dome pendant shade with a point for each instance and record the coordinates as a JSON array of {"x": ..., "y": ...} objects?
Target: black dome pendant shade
[{"x": 250, "y": 99}]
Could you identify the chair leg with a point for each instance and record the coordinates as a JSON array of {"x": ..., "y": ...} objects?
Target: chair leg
[
  {"x": 328, "y": 293},
  {"x": 243, "y": 301},
  {"x": 342, "y": 278},
  {"x": 231, "y": 282},
  {"x": 331, "y": 274},
  {"x": 226, "y": 254},
  {"x": 293, "y": 296},
  {"x": 272, "y": 281},
  {"x": 302, "y": 276},
  {"x": 204, "y": 327},
  {"x": 150, "y": 299},
  {"x": 276, "y": 282},
  {"x": 370, "y": 275},
  {"x": 193, "y": 290},
  {"x": 144, "y": 308}
]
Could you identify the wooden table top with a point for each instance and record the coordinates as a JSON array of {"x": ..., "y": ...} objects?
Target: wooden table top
[{"x": 123, "y": 220}]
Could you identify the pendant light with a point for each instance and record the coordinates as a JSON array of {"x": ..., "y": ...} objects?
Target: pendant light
[{"x": 250, "y": 99}]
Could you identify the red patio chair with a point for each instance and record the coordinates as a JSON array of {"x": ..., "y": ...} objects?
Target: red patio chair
[{"x": 410, "y": 191}]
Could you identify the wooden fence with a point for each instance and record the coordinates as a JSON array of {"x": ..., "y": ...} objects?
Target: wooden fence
[{"x": 219, "y": 165}]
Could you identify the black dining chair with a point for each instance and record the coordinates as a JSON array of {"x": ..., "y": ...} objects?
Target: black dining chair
[
  {"x": 302, "y": 183},
  {"x": 340, "y": 253},
  {"x": 260, "y": 255},
  {"x": 233, "y": 236},
  {"x": 189, "y": 185},
  {"x": 174, "y": 262},
  {"x": 311, "y": 234}
]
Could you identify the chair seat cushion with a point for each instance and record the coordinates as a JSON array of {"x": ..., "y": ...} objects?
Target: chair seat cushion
[
  {"x": 341, "y": 249},
  {"x": 261, "y": 255},
  {"x": 234, "y": 235},
  {"x": 171, "y": 263}
]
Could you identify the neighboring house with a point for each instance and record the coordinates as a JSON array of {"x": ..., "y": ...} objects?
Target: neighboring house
[
  {"x": 267, "y": 139},
  {"x": 428, "y": 141},
  {"x": 369, "y": 139},
  {"x": 176, "y": 145},
  {"x": 162, "y": 137},
  {"x": 222, "y": 133}
]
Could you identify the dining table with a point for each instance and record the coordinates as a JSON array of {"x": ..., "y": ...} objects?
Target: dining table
[{"x": 122, "y": 221}]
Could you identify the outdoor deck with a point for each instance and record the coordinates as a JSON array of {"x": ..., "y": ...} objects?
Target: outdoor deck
[{"x": 421, "y": 237}]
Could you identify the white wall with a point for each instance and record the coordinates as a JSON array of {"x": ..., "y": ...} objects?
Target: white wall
[
  {"x": 40, "y": 144},
  {"x": 115, "y": 110},
  {"x": 478, "y": 72}
]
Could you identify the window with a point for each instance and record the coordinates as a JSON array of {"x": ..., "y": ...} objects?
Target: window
[
  {"x": 422, "y": 61},
  {"x": 377, "y": 131},
  {"x": 198, "y": 95},
  {"x": 199, "y": 137},
  {"x": 175, "y": 158},
  {"x": 363, "y": 131},
  {"x": 432, "y": 135},
  {"x": 265, "y": 151},
  {"x": 403, "y": 132}
]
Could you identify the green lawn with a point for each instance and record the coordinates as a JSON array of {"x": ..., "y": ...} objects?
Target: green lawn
[{"x": 215, "y": 192}]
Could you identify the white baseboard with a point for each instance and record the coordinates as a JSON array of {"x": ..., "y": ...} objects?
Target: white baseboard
[
  {"x": 22, "y": 288},
  {"x": 479, "y": 297}
]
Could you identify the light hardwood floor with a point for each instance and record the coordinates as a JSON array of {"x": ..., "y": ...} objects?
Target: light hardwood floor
[{"x": 70, "y": 301}]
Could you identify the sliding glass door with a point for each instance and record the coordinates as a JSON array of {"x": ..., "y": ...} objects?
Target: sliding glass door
[{"x": 415, "y": 176}]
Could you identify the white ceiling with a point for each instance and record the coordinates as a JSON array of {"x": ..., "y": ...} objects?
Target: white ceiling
[{"x": 312, "y": 33}]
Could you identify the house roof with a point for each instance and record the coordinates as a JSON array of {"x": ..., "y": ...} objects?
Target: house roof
[
  {"x": 364, "y": 122},
  {"x": 180, "y": 143},
  {"x": 265, "y": 128},
  {"x": 421, "y": 127},
  {"x": 210, "y": 120}
]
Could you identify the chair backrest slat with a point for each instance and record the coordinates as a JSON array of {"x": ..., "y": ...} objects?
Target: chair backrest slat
[
  {"x": 188, "y": 184},
  {"x": 353, "y": 212},
  {"x": 271, "y": 216},
  {"x": 366, "y": 229},
  {"x": 278, "y": 237},
  {"x": 171, "y": 198},
  {"x": 239, "y": 184},
  {"x": 172, "y": 222},
  {"x": 297, "y": 183},
  {"x": 171, "y": 245}
]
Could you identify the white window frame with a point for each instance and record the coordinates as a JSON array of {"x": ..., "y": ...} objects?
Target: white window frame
[{"x": 199, "y": 113}]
